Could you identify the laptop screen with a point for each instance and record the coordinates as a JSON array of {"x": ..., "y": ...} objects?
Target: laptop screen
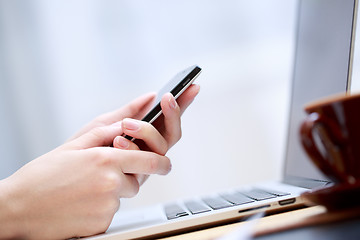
[{"x": 323, "y": 58}]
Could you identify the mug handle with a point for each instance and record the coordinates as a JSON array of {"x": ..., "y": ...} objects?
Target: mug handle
[{"x": 308, "y": 142}]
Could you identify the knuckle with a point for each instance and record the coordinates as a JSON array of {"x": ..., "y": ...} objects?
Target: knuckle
[
  {"x": 153, "y": 164},
  {"x": 98, "y": 132},
  {"x": 178, "y": 131},
  {"x": 129, "y": 186},
  {"x": 159, "y": 165},
  {"x": 103, "y": 158},
  {"x": 134, "y": 189},
  {"x": 110, "y": 181},
  {"x": 176, "y": 137},
  {"x": 164, "y": 148}
]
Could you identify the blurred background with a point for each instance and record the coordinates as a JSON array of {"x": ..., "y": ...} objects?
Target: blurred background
[{"x": 62, "y": 63}]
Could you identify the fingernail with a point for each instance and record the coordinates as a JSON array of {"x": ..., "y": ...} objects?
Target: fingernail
[
  {"x": 131, "y": 125},
  {"x": 122, "y": 143},
  {"x": 172, "y": 102}
]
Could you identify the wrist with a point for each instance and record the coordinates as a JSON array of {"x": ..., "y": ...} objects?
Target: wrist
[{"x": 10, "y": 226}]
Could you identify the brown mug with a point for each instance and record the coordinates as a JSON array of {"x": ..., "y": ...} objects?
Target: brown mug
[{"x": 330, "y": 135}]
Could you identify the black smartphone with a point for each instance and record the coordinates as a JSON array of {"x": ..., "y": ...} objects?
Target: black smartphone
[{"x": 176, "y": 86}]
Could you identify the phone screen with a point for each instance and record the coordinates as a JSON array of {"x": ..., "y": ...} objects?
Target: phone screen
[{"x": 176, "y": 86}]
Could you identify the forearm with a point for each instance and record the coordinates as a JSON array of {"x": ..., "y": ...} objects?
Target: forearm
[{"x": 10, "y": 226}]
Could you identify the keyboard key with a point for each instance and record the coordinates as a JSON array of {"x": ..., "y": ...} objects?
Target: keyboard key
[
  {"x": 237, "y": 198},
  {"x": 196, "y": 207},
  {"x": 258, "y": 195},
  {"x": 217, "y": 202},
  {"x": 173, "y": 211},
  {"x": 274, "y": 192}
]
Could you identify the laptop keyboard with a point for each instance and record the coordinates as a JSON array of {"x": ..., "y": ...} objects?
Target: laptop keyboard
[{"x": 221, "y": 201}]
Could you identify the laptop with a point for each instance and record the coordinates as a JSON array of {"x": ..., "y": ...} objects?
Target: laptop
[{"x": 322, "y": 66}]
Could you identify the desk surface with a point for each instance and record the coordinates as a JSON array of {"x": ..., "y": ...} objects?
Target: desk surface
[
  {"x": 308, "y": 223},
  {"x": 348, "y": 229}
]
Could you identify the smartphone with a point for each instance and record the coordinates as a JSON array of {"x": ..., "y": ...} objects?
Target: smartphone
[{"x": 176, "y": 86}]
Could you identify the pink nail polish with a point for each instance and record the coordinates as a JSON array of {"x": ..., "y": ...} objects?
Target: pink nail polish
[
  {"x": 122, "y": 143},
  {"x": 131, "y": 125},
  {"x": 172, "y": 102}
]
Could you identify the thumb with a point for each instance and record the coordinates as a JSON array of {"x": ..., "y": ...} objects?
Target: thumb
[
  {"x": 135, "y": 109},
  {"x": 97, "y": 137}
]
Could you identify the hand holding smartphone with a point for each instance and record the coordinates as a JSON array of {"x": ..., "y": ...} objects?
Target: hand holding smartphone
[{"x": 176, "y": 86}]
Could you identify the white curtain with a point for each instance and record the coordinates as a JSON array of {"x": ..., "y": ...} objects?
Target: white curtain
[
  {"x": 27, "y": 120},
  {"x": 64, "y": 62}
]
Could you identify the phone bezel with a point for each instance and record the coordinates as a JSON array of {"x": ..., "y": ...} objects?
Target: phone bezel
[
  {"x": 176, "y": 86},
  {"x": 190, "y": 75}
]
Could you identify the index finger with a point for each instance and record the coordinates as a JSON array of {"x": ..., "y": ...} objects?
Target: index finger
[{"x": 187, "y": 97}]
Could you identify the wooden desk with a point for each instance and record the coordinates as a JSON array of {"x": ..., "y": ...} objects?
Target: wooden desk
[{"x": 302, "y": 218}]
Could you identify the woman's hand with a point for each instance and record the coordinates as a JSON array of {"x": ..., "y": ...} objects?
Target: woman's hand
[
  {"x": 168, "y": 124},
  {"x": 164, "y": 132},
  {"x": 166, "y": 129},
  {"x": 75, "y": 189}
]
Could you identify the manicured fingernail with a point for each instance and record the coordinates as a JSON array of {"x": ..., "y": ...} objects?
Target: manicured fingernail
[
  {"x": 172, "y": 102},
  {"x": 131, "y": 125},
  {"x": 122, "y": 143}
]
